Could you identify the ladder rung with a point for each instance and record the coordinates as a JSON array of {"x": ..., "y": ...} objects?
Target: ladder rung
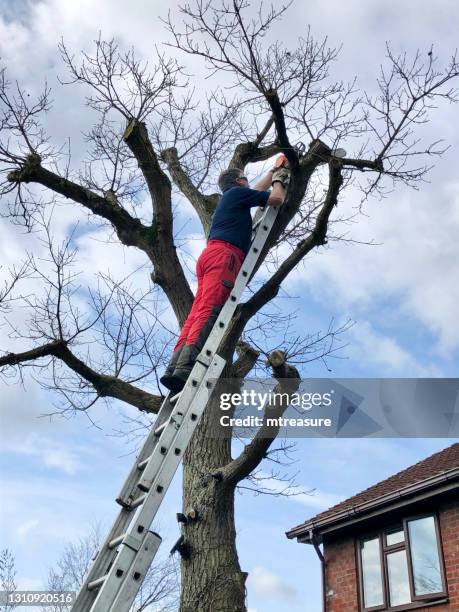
[
  {"x": 94, "y": 584},
  {"x": 138, "y": 501},
  {"x": 159, "y": 429},
  {"x": 122, "y": 502},
  {"x": 142, "y": 465},
  {"x": 113, "y": 543},
  {"x": 143, "y": 487},
  {"x": 205, "y": 358},
  {"x": 175, "y": 397}
]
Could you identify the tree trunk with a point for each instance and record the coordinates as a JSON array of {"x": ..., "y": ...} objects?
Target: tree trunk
[{"x": 212, "y": 580}]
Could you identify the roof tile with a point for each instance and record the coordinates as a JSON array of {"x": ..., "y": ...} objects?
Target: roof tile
[{"x": 434, "y": 465}]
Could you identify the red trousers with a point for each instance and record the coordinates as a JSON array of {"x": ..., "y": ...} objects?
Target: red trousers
[{"x": 217, "y": 268}]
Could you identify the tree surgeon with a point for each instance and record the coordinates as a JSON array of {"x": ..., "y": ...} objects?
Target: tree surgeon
[{"x": 219, "y": 263}]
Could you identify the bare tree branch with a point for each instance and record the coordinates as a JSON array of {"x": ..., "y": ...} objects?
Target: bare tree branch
[
  {"x": 250, "y": 152},
  {"x": 288, "y": 381},
  {"x": 130, "y": 230},
  {"x": 105, "y": 386},
  {"x": 16, "y": 274},
  {"x": 159, "y": 186},
  {"x": 119, "y": 81},
  {"x": 204, "y": 205}
]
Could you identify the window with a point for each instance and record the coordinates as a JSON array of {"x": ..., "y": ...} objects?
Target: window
[
  {"x": 371, "y": 573},
  {"x": 401, "y": 565}
]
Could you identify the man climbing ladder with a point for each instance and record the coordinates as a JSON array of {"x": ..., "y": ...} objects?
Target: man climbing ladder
[
  {"x": 122, "y": 562},
  {"x": 218, "y": 265}
]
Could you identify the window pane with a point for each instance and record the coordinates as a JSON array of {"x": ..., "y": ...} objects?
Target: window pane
[
  {"x": 424, "y": 556},
  {"x": 371, "y": 573},
  {"x": 399, "y": 583},
  {"x": 395, "y": 536}
]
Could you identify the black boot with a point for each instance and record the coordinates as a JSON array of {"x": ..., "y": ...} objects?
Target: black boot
[
  {"x": 183, "y": 368},
  {"x": 167, "y": 376},
  {"x": 189, "y": 353}
]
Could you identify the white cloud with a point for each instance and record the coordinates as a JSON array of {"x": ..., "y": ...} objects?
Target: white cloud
[
  {"x": 61, "y": 459},
  {"x": 97, "y": 254},
  {"x": 267, "y": 585},
  {"x": 25, "y": 528},
  {"x": 304, "y": 495},
  {"x": 415, "y": 265},
  {"x": 52, "y": 453},
  {"x": 195, "y": 243},
  {"x": 386, "y": 353},
  {"x": 317, "y": 499},
  {"x": 52, "y": 505}
]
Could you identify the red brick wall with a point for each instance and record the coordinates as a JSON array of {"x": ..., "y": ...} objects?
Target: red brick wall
[
  {"x": 449, "y": 527},
  {"x": 341, "y": 570},
  {"x": 341, "y": 576}
]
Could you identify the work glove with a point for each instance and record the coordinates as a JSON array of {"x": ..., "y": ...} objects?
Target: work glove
[
  {"x": 281, "y": 175},
  {"x": 281, "y": 161}
]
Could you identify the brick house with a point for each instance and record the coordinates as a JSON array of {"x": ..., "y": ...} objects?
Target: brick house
[{"x": 394, "y": 546}]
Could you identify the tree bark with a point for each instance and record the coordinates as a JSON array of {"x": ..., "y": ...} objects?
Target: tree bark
[{"x": 212, "y": 579}]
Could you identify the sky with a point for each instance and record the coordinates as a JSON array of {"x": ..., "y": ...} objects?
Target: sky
[{"x": 60, "y": 475}]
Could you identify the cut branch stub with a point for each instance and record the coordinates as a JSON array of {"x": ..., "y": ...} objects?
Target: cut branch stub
[
  {"x": 247, "y": 358},
  {"x": 249, "y": 152},
  {"x": 24, "y": 174}
]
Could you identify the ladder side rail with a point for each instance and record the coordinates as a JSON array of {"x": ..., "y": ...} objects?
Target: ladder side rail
[
  {"x": 127, "y": 496},
  {"x": 145, "y": 514},
  {"x": 163, "y": 478},
  {"x": 184, "y": 404},
  {"x": 257, "y": 220},
  {"x": 99, "y": 567},
  {"x": 268, "y": 220},
  {"x": 118, "y": 572},
  {"x": 130, "y": 587},
  {"x": 258, "y": 216},
  {"x": 129, "y": 488},
  {"x": 105, "y": 554}
]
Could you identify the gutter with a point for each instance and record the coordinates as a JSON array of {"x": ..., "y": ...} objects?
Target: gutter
[{"x": 445, "y": 477}]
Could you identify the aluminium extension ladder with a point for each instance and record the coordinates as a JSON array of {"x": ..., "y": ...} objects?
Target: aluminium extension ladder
[{"x": 120, "y": 566}]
